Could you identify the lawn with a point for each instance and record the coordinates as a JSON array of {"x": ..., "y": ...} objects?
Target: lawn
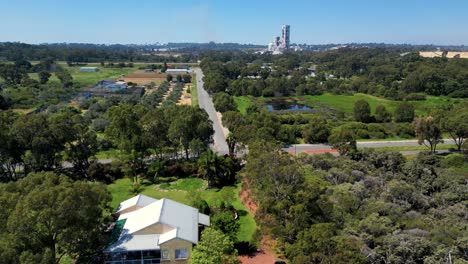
[
  {"x": 182, "y": 190},
  {"x": 243, "y": 102}
]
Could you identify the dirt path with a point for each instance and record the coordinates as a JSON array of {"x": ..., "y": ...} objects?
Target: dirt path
[{"x": 265, "y": 253}]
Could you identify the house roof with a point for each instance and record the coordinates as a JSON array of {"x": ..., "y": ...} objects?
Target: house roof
[
  {"x": 182, "y": 220},
  {"x": 139, "y": 200}
]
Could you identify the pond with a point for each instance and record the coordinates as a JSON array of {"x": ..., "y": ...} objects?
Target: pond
[{"x": 286, "y": 105}]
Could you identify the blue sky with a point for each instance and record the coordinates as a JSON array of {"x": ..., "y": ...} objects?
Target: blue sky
[{"x": 243, "y": 21}]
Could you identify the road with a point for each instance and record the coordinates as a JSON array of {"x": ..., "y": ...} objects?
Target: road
[
  {"x": 323, "y": 148},
  {"x": 205, "y": 102}
]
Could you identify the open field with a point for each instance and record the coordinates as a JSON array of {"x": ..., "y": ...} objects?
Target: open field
[
  {"x": 89, "y": 78},
  {"x": 141, "y": 77},
  {"x": 450, "y": 54},
  {"x": 345, "y": 103},
  {"x": 182, "y": 190}
]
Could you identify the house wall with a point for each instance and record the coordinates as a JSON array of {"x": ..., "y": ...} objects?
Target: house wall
[
  {"x": 172, "y": 246},
  {"x": 154, "y": 229}
]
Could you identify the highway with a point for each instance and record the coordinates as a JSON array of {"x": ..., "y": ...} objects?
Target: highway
[{"x": 205, "y": 102}]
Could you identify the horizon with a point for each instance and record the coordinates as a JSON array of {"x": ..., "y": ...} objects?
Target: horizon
[{"x": 189, "y": 21}]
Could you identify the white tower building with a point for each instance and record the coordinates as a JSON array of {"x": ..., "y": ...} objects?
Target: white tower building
[{"x": 285, "y": 32}]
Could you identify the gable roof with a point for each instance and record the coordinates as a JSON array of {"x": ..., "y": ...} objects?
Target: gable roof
[
  {"x": 182, "y": 219},
  {"x": 139, "y": 200}
]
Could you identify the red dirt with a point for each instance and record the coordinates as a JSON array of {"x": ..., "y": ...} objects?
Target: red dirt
[{"x": 265, "y": 253}]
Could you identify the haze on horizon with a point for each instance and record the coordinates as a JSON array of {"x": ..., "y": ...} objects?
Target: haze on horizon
[{"x": 242, "y": 21}]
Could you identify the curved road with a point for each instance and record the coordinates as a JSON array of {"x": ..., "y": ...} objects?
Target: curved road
[{"x": 205, "y": 102}]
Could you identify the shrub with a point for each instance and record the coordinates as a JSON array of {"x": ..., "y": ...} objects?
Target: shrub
[
  {"x": 415, "y": 97},
  {"x": 453, "y": 160}
]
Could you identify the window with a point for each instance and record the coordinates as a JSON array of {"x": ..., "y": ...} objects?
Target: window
[
  {"x": 181, "y": 253},
  {"x": 165, "y": 254}
]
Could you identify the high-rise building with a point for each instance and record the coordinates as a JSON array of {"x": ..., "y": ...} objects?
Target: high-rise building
[
  {"x": 285, "y": 37},
  {"x": 280, "y": 44}
]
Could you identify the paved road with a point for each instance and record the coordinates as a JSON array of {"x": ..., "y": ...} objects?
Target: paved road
[
  {"x": 322, "y": 148},
  {"x": 205, "y": 102}
]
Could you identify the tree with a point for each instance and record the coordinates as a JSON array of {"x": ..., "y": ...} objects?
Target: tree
[
  {"x": 179, "y": 78},
  {"x": 44, "y": 77},
  {"x": 125, "y": 132},
  {"x": 10, "y": 152},
  {"x": 65, "y": 78},
  {"x": 382, "y": 115},
  {"x": 223, "y": 102},
  {"x": 343, "y": 140},
  {"x": 187, "y": 78},
  {"x": 362, "y": 112},
  {"x": 169, "y": 77},
  {"x": 11, "y": 73},
  {"x": 190, "y": 123},
  {"x": 214, "y": 247},
  {"x": 427, "y": 130},
  {"x": 226, "y": 222},
  {"x": 316, "y": 131},
  {"x": 404, "y": 112},
  {"x": 54, "y": 217},
  {"x": 456, "y": 124}
]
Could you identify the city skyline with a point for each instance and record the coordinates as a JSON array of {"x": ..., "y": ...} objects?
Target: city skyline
[{"x": 314, "y": 22}]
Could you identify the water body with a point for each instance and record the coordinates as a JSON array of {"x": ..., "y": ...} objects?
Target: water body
[{"x": 286, "y": 105}]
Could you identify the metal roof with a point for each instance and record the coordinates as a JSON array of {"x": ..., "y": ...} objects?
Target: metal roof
[{"x": 182, "y": 220}]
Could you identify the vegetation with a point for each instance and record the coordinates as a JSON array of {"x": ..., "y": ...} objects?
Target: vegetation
[
  {"x": 48, "y": 216},
  {"x": 375, "y": 207}
]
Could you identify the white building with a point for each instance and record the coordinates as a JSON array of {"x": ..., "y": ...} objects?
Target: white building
[
  {"x": 154, "y": 231},
  {"x": 89, "y": 69},
  {"x": 178, "y": 71},
  {"x": 278, "y": 45}
]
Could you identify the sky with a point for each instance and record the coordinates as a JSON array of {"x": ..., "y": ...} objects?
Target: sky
[{"x": 241, "y": 21}]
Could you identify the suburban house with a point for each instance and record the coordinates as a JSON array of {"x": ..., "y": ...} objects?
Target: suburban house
[{"x": 154, "y": 231}]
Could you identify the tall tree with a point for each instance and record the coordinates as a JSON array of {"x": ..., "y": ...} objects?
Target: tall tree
[
  {"x": 456, "y": 124},
  {"x": 382, "y": 115},
  {"x": 404, "y": 112},
  {"x": 50, "y": 217},
  {"x": 362, "y": 111},
  {"x": 427, "y": 130},
  {"x": 44, "y": 77}
]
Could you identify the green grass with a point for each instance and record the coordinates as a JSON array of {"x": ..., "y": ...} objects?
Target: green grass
[
  {"x": 89, "y": 78},
  {"x": 194, "y": 91},
  {"x": 188, "y": 184},
  {"x": 243, "y": 102},
  {"x": 414, "y": 148},
  {"x": 182, "y": 191},
  {"x": 345, "y": 103},
  {"x": 110, "y": 154}
]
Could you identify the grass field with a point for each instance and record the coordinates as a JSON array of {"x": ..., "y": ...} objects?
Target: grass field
[
  {"x": 243, "y": 102},
  {"x": 88, "y": 78},
  {"x": 182, "y": 190},
  {"x": 422, "y": 147},
  {"x": 345, "y": 103}
]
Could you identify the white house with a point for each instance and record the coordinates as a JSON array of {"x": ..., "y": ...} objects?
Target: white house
[{"x": 154, "y": 231}]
